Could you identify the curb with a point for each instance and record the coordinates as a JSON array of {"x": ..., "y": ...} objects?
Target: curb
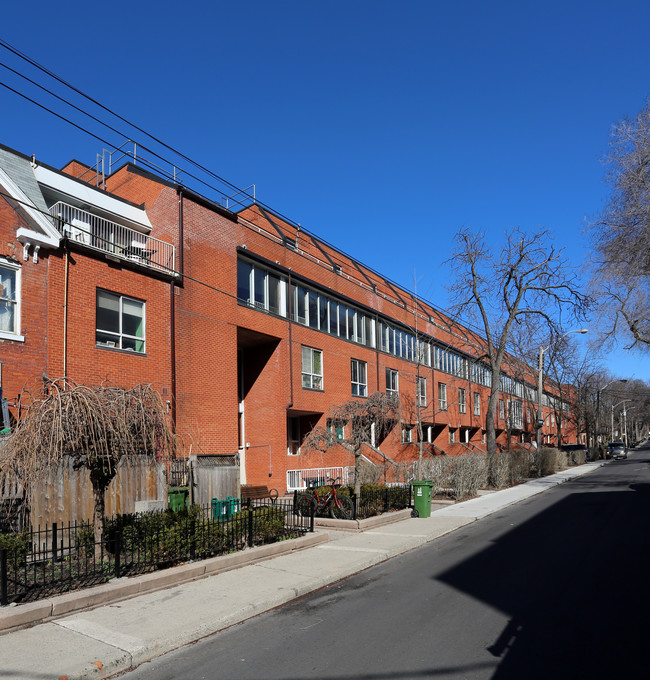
[{"x": 32, "y": 613}]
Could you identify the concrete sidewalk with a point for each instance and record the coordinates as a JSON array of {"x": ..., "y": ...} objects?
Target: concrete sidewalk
[{"x": 113, "y": 633}]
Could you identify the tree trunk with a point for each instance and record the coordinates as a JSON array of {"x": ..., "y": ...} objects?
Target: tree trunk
[
  {"x": 99, "y": 507},
  {"x": 357, "y": 479}
]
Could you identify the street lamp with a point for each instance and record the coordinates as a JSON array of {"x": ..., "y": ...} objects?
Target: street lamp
[
  {"x": 540, "y": 374},
  {"x": 602, "y": 389},
  {"x": 613, "y": 407}
]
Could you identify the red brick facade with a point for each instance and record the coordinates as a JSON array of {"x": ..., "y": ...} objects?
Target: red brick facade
[{"x": 231, "y": 369}]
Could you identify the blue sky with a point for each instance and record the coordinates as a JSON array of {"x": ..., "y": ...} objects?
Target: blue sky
[{"x": 381, "y": 126}]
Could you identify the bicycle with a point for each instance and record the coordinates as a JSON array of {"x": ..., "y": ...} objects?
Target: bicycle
[{"x": 340, "y": 506}]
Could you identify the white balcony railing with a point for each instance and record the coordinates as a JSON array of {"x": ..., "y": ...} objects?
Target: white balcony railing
[
  {"x": 115, "y": 239},
  {"x": 299, "y": 480}
]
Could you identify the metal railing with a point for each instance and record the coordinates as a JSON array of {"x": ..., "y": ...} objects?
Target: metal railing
[
  {"x": 299, "y": 480},
  {"x": 115, "y": 239},
  {"x": 38, "y": 564}
]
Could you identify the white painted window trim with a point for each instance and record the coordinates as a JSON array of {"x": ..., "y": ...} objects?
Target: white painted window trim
[{"x": 16, "y": 336}]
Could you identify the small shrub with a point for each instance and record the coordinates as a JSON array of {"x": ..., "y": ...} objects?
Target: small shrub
[
  {"x": 468, "y": 475},
  {"x": 519, "y": 465},
  {"x": 499, "y": 467},
  {"x": 16, "y": 545},
  {"x": 549, "y": 462}
]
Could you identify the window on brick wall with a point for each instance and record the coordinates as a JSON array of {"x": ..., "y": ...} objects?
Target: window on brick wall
[
  {"x": 422, "y": 392},
  {"x": 442, "y": 396},
  {"x": 407, "y": 434},
  {"x": 359, "y": 378},
  {"x": 120, "y": 322},
  {"x": 293, "y": 435},
  {"x": 462, "y": 401},
  {"x": 10, "y": 275},
  {"x": 477, "y": 404},
  {"x": 392, "y": 381},
  {"x": 312, "y": 368}
]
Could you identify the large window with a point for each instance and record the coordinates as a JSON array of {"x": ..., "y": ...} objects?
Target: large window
[
  {"x": 404, "y": 344},
  {"x": 9, "y": 298},
  {"x": 261, "y": 288},
  {"x": 359, "y": 378},
  {"x": 120, "y": 322},
  {"x": 442, "y": 396},
  {"x": 312, "y": 368},
  {"x": 392, "y": 382}
]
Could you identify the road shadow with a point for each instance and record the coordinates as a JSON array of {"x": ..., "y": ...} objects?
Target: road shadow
[{"x": 574, "y": 582}]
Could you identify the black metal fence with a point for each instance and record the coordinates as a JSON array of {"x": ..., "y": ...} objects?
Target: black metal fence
[
  {"x": 38, "y": 564},
  {"x": 375, "y": 499}
]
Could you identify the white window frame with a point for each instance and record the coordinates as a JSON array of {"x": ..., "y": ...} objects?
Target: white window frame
[
  {"x": 359, "y": 378},
  {"x": 442, "y": 396},
  {"x": 422, "y": 392},
  {"x": 407, "y": 434},
  {"x": 309, "y": 374},
  {"x": 477, "y": 404},
  {"x": 120, "y": 336},
  {"x": 462, "y": 400},
  {"x": 337, "y": 428},
  {"x": 392, "y": 381},
  {"x": 13, "y": 334}
]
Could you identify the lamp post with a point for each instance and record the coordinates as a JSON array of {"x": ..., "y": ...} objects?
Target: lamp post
[
  {"x": 613, "y": 407},
  {"x": 602, "y": 389},
  {"x": 540, "y": 382}
]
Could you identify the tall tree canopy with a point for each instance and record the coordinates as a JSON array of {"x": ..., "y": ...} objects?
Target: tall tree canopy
[
  {"x": 525, "y": 282},
  {"x": 621, "y": 234}
]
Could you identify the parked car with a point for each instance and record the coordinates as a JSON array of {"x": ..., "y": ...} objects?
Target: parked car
[
  {"x": 570, "y": 449},
  {"x": 616, "y": 450}
]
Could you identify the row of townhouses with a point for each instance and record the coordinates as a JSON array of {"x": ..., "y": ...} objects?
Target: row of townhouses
[{"x": 249, "y": 327}]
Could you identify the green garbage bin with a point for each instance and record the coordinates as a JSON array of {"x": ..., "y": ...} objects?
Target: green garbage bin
[
  {"x": 178, "y": 497},
  {"x": 232, "y": 504},
  {"x": 422, "y": 492},
  {"x": 219, "y": 509}
]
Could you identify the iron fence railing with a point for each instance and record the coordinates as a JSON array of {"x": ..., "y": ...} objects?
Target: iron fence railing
[
  {"x": 374, "y": 499},
  {"x": 42, "y": 563}
]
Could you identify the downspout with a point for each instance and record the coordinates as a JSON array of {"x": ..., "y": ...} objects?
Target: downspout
[
  {"x": 172, "y": 349},
  {"x": 66, "y": 254},
  {"x": 290, "y": 404},
  {"x": 172, "y": 308}
]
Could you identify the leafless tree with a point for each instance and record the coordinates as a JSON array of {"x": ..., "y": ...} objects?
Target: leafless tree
[
  {"x": 94, "y": 426},
  {"x": 526, "y": 279},
  {"x": 364, "y": 420},
  {"x": 621, "y": 235}
]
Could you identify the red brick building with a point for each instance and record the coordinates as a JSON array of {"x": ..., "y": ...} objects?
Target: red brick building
[{"x": 249, "y": 326}]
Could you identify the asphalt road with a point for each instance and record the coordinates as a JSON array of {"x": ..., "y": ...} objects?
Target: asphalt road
[{"x": 553, "y": 587}]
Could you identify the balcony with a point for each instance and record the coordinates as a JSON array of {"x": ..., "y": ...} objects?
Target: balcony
[{"x": 116, "y": 240}]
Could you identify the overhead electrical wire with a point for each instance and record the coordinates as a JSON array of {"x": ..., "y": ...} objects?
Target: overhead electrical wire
[{"x": 3, "y": 43}]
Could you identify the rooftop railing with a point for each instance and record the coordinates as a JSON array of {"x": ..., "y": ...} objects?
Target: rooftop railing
[{"x": 98, "y": 233}]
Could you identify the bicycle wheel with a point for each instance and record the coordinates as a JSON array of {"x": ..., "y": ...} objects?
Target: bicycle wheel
[
  {"x": 342, "y": 507},
  {"x": 305, "y": 503}
]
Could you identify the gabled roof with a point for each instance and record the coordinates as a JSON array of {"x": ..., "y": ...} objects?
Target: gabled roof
[{"x": 17, "y": 179}]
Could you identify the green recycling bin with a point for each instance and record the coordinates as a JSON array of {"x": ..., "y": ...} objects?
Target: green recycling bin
[
  {"x": 422, "y": 492},
  {"x": 232, "y": 504},
  {"x": 178, "y": 497},
  {"x": 219, "y": 509}
]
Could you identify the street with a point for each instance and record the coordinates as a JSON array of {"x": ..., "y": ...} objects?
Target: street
[{"x": 552, "y": 587}]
